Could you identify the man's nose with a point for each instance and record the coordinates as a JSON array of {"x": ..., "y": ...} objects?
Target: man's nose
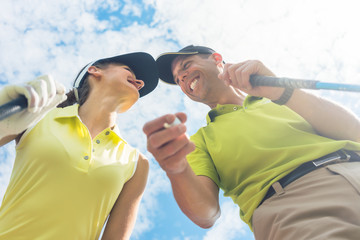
[{"x": 182, "y": 75}]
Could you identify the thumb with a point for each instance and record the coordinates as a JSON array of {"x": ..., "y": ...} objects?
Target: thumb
[
  {"x": 224, "y": 74},
  {"x": 225, "y": 77}
]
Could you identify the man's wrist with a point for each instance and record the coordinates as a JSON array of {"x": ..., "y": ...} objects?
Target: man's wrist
[{"x": 178, "y": 171}]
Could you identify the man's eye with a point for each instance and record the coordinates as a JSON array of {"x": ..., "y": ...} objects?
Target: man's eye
[{"x": 186, "y": 65}]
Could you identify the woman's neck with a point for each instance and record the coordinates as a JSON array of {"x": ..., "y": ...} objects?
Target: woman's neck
[{"x": 97, "y": 116}]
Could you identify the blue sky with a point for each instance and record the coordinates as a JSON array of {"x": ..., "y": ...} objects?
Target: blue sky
[{"x": 300, "y": 39}]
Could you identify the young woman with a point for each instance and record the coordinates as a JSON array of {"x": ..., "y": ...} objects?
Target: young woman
[{"x": 73, "y": 170}]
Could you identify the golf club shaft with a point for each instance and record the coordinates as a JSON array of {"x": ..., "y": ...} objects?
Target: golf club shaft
[{"x": 257, "y": 80}]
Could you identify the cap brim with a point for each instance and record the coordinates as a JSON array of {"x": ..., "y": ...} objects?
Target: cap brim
[
  {"x": 144, "y": 67},
  {"x": 164, "y": 62}
]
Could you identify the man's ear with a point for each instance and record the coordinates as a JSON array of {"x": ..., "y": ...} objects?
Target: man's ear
[{"x": 218, "y": 58}]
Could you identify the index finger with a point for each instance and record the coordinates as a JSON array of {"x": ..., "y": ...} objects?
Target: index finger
[{"x": 158, "y": 123}]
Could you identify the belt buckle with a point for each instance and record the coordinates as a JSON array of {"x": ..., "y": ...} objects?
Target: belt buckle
[{"x": 336, "y": 157}]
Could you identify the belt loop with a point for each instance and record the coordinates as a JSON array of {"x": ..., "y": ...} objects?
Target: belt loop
[{"x": 278, "y": 188}]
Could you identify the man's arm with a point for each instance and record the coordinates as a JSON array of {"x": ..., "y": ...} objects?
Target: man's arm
[
  {"x": 197, "y": 196},
  {"x": 327, "y": 118}
]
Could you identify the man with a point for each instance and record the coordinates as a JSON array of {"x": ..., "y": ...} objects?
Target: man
[{"x": 286, "y": 157}]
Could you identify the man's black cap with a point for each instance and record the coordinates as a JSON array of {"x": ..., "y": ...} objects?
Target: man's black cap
[{"x": 164, "y": 61}]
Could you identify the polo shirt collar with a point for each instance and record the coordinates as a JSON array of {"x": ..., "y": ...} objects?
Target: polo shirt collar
[
  {"x": 73, "y": 111},
  {"x": 68, "y": 112},
  {"x": 227, "y": 108}
]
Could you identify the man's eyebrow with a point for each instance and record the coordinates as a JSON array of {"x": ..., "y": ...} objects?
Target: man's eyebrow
[{"x": 181, "y": 62}]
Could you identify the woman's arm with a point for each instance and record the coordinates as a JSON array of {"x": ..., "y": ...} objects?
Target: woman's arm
[
  {"x": 7, "y": 139},
  {"x": 123, "y": 215}
]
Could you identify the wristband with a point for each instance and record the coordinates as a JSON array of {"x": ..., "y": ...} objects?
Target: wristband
[{"x": 284, "y": 97}]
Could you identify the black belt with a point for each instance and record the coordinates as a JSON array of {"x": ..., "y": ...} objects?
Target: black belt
[{"x": 335, "y": 157}]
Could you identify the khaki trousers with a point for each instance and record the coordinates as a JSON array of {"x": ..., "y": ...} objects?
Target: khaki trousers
[{"x": 323, "y": 204}]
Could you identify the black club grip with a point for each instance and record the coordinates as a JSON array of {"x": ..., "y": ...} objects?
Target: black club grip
[
  {"x": 258, "y": 80},
  {"x": 13, "y": 107}
]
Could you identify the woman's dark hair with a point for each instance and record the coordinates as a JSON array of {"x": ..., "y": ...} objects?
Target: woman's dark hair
[
  {"x": 84, "y": 89},
  {"x": 83, "y": 93}
]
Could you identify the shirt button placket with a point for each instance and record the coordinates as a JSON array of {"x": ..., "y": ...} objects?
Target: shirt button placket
[{"x": 98, "y": 142}]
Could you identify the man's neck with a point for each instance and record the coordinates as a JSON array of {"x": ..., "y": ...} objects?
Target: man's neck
[{"x": 233, "y": 96}]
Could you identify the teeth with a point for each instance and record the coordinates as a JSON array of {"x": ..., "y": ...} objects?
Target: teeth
[{"x": 193, "y": 84}]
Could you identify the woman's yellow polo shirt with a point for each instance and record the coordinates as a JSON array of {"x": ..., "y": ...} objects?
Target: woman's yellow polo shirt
[{"x": 64, "y": 184}]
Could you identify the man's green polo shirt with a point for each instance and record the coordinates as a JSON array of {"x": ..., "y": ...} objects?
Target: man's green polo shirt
[{"x": 245, "y": 149}]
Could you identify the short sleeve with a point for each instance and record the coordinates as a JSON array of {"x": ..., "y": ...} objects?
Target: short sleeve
[{"x": 200, "y": 160}]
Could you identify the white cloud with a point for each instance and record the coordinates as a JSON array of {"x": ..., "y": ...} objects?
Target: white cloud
[
  {"x": 130, "y": 7},
  {"x": 61, "y": 36},
  {"x": 295, "y": 39}
]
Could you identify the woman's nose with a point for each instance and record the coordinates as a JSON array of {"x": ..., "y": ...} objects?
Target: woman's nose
[{"x": 139, "y": 84}]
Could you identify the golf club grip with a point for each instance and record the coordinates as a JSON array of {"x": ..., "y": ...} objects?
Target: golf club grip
[
  {"x": 13, "y": 107},
  {"x": 258, "y": 80}
]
